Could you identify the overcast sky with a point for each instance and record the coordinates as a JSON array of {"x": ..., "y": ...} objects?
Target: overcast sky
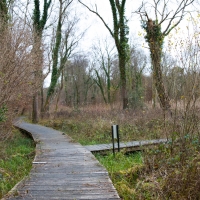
[{"x": 97, "y": 29}]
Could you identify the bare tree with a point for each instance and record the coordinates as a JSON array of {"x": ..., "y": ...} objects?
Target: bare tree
[
  {"x": 66, "y": 42},
  {"x": 155, "y": 37},
  {"x": 103, "y": 58},
  {"x": 76, "y": 80},
  {"x": 135, "y": 69},
  {"x": 119, "y": 33}
]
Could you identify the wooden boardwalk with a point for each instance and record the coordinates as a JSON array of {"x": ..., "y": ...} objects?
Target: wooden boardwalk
[
  {"x": 129, "y": 146},
  {"x": 63, "y": 170}
]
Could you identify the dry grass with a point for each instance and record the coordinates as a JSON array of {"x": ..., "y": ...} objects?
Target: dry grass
[{"x": 93, "y": 125}]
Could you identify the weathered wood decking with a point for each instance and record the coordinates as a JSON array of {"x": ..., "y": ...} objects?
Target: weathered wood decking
[
  {"x": 63, "y": 170},
  {"x": 129, "y": 146}
]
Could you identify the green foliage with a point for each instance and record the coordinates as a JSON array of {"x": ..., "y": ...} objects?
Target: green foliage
[
  {"x": 45, "y": 13},
  {"x": 16, "y": 157},
  {"x": 120, "y": 161},
  {"x": 3, "y": 111},
  {"x": 155, "y": 39}
]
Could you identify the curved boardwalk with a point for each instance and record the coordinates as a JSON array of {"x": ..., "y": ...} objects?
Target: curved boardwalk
[{"x": 63, "y": 169}]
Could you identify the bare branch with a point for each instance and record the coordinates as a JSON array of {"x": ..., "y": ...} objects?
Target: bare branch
[
  {"x": 95, "y": 12},
  {"x": 164, "y": 18},
  {"x": 142, "y": 13},
  {"x": 179, "y": 10},
  {"x": 162, "y": 14},
  {"x": 156, "y": 8}
]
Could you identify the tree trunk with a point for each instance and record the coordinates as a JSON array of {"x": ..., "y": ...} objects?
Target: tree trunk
[
  {"x": 42, "y": 102},
  {"x": 156, "y": 54},
  {"x": 35, "y": 114},
  {"x": 108, "y": 83},
  {"x": 38, "y": 60},
  {"x": 100, "y": 85},
  {"x": 153, "y": 93},
  {"x": 60, "y": 90},
  {"x": 39, "y": 21},
  {"x": 122, "y": 64}
]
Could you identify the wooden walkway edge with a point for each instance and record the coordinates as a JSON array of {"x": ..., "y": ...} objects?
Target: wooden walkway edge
[
  {"x": 129, "y": 146},
  {"x": 63, "y": 170}
]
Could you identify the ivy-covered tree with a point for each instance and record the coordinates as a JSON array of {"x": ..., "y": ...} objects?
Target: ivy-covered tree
[
  {"x": 55, "y": 70},
  {"x": 39, "y": 22},
  {"x": 65, "y": 44},
  {"x": 119, "y": 32},
  {"x": 155, "y": 37}
]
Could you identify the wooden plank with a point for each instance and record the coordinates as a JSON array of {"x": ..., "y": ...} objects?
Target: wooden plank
[
  {"x": 67, "y": 197},
  {"x": 83, "y": 187},
  {"x": 73, "y": 193},
  {"x": 58, "y": 198}
]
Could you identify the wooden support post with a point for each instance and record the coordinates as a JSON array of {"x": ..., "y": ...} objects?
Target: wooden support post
[{"x": 115, "y": 135}]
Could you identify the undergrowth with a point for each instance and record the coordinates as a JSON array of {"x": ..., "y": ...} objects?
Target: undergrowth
[
  {"x": 156, "y": 174},
  {"x": 171, "y": 172},
  {"x": 16, "y": 155},
  {"x": 89, "y": 127}
]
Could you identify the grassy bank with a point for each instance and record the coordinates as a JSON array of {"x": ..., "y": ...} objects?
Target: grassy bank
[
  {"x": 16, "y": 155},
  {"x": 122, "y": 171}
]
